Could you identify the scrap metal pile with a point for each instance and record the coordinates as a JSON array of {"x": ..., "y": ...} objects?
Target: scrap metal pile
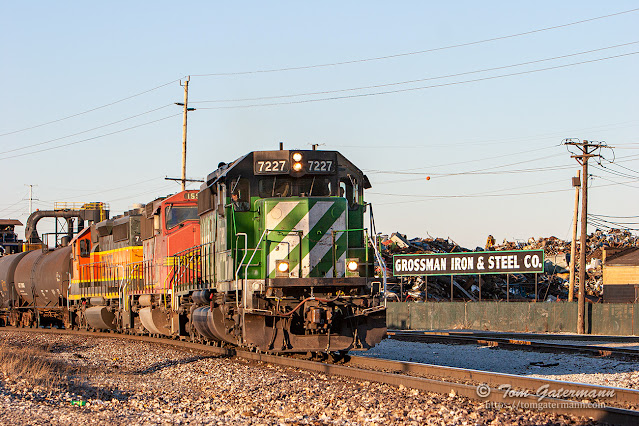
[{"x": 552, "y": 285}]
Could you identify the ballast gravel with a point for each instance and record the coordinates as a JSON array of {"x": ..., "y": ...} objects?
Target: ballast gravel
[
  {"x": 601, "y": 371},
  {"x": 130, "y": 382}
]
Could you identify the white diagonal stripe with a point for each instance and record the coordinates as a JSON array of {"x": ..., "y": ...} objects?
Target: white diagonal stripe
[{"x": 324, "y": 244}]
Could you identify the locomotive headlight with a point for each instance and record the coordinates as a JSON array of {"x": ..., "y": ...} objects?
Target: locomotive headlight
[
  {"x": 297, "y": 157},
  {"x": 297, "y": 166},
  {"x": 282, "y": 268},
  {"x": 352, "y": 268}
]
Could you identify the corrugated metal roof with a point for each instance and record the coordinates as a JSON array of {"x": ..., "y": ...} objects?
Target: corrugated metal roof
[{"x": 10, "y": 222}]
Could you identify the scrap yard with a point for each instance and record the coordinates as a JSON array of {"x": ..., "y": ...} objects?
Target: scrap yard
[{"x": 304, "y": 213}]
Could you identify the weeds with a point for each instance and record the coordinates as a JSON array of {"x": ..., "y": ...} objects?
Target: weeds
[{"x": 32, "y": 365}]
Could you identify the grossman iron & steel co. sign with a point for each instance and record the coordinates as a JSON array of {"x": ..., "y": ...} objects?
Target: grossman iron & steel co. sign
[{"x": 467, "y": 263}]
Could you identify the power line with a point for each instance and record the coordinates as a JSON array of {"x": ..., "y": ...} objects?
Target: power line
[
  {"x": 498, "y": 172},
  {"x": 613, "y": 222},
  {"x": 553, "y": 136},
  {"x": 90, "y": 139},
  {"x": 600, "y": 224},
  {"x": 88, "y": 111},
  {"x": 613, "y": 217},
  {"x": 84, "y": 131},
  {"x": 410, "y": 89},
  {"x": 474, "y": 160},
  {"x": 11, "y": 205},
  {"x": 325, "y": 92},
  {"x": 400, "y": 172},
  {"x": 77, "y": 196},
  {"x": 422, "y": 198},
  {"x": 615, "y": 172},
  {"x": 397, "y": 55},
  {"x": 621, "y": 183}
]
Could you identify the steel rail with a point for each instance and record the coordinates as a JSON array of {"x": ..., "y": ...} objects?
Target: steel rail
[
  {"x": 604, "y": 414},
  {"x": 622, "y": 396},
  {"x": 595, "y": 350}
]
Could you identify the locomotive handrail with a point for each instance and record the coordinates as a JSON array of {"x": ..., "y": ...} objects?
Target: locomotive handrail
[
  {"x": 381, "y": 262},
  {"x": 245, "y": 252},
  {"x": 246, "y": 269},
  {"x": 120, "y": 287},
  {"x": 240, "y": 266}
]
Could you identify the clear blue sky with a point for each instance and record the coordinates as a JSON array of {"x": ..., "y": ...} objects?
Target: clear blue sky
[{"x": 476, "y": 140}]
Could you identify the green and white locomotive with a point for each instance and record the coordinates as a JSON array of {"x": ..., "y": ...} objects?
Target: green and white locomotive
[{"x": 286, "y": 263}]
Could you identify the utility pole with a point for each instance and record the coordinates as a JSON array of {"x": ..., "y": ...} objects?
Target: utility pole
[
  {"x": 573, "y": 245},
  {"x": 31, "y": 199},
  {"x": 186, "y": 110},
  {"x": 587, "y": 150}
]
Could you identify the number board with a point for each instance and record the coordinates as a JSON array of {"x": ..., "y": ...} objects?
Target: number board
[
  {"x": 273, "y": 162},
  {"x": 319, "y": 162},
  {"x": 320, "y": 166}
]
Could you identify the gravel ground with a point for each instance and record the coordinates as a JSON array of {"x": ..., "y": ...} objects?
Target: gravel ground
[
  {"x": 124, "y": 382},
  {"x": 573, "y": 368}
]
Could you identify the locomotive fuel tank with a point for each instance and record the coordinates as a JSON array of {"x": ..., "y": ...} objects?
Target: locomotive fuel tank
[
  {"x": 8, "y": 266},
  {"x": 43, "y": 275}
]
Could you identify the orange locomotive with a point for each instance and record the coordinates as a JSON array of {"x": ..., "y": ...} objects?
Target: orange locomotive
[{"x": 126, "y": 262}]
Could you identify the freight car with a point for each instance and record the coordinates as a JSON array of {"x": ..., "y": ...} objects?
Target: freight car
[{"x": 272, "y": 254}]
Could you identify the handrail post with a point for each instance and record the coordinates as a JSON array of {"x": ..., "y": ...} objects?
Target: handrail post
[
  {"x": 382, "y": 265},
  {"x": 120, "y": 287},
  {"x": 237, "y": 271}
]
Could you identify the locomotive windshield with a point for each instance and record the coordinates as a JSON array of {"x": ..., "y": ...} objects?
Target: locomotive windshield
[
  {"x": 174, "y": 215},
  {"x": 284, "y": 186}
]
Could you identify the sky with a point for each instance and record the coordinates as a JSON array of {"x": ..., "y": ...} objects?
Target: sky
[{"x": 456, "y": 111}]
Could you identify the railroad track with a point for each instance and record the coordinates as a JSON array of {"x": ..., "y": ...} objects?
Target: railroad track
[
  {"x": 510, "y": 343},
  {"x": 432, "y": 378}
]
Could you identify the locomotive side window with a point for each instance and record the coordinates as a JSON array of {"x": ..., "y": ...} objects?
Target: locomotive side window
[
  {"x": 85, "y": 250},
  {"x": 348, "y": 189},
  {"x": 240, "y": 195},
  {"x": 174, "y": 215}
]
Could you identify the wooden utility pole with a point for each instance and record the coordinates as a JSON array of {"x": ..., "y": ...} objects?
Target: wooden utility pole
[
  {"x": 184, "y": 116},
  {"x": 573, "y": 245},
  {"x": 581, "y": 299},
  {"x": 186, "y": 109},
  {"x": 587, "y": 149}
]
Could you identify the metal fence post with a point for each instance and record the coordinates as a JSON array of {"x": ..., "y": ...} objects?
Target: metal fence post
[
  {"x": 451, "y": 288},
  {"x": 426, "y": 288}
]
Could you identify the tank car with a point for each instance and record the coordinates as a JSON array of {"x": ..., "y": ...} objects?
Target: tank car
[{"x": 33, "y": 287}]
